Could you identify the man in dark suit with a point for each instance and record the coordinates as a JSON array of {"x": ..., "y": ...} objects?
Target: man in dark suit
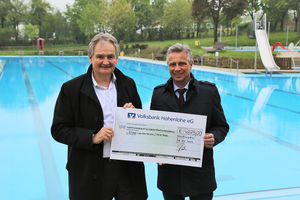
[
  {"x": 183, "y": 93},
  {"x": 83, "y": 120}
]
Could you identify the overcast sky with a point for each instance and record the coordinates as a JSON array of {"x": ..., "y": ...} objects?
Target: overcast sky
[{"x": 60, "y": 4}]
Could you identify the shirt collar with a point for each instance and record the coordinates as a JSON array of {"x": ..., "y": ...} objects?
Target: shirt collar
[
  {"x": 176, "y": 87},
  {"x": 113, "y": 80}
]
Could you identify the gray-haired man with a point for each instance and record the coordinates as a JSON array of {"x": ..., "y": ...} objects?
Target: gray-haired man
[
  {"x": 83, "y": 120},
  {"x": 183, "y": 93}
]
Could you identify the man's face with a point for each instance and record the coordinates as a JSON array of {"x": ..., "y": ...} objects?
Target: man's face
[
  {"x": 104, "y": 59},
  {"x": 179, "y": 68}
]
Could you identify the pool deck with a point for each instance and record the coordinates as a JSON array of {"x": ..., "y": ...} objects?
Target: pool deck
[
  {"x": 247, "y": 71},
  {"x": 233, "y": 70},
  {"x": 276, "y": 194}
]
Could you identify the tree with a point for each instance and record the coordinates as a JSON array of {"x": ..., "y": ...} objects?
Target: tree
[
  {"x": 177, "y": 17},
  {"x": 232, "y": 12},
  {"x": 253, "y": 7},
  {"x": 91, "y": 19},
  {"x": 55, "y": 27},
  {"x": 276, "y": 11},
  {"x": 199, "y": 13},
  {"x": 294, "y": 6},
  {"x": 158, "y": 7},
  {"x": 5, "y": 6},
  {"x": 5, "y": 35},
  {"x": 31, "y": 31},
  {"x": 143, "y": 12},
  {"x": 73, "y": 16},
  {"x": 16, "y": 15},
  {"x": 234, "y": 8},
  {"x": 121, "y": 20},
  {"x": 39, "y": 10},
  {"x": 216, "y": 8}
]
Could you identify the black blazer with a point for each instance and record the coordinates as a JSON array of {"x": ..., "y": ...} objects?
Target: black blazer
[
  {"x": 77, "y": 116},
  {"x": 202, "y": 98}
]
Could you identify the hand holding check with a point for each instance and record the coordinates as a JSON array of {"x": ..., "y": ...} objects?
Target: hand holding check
[
  {"x": 106, "y": 133},
  {"x": 209, "y": 140}
]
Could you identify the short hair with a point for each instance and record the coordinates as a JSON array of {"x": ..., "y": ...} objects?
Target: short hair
[
  {"x": 180, "y": 48},
  {"x": 100, "y": 37}
]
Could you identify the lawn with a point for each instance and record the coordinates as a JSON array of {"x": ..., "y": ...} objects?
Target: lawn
[{"x": 155, "y": 47}]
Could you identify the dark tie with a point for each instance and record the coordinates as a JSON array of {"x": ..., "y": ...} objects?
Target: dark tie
[{"x": 181, "y": 98}]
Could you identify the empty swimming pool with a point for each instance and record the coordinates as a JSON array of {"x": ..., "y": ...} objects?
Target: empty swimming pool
[{"x": 259, "y": 159}]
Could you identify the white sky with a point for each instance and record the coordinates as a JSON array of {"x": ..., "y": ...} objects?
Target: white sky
[{"x": 60, "y": 4}]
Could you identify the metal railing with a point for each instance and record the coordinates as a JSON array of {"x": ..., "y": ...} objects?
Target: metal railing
[
  {"x": 80, "y": 53},
  {"x": 60, "y": 53},
  {"x": 293, "y": 61},
  {"x": 2, "y": 64},
  {"x": 237, "y": 64}
]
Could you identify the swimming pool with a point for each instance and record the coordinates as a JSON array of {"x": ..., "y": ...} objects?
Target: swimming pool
[{"x": 260, "y": 153}]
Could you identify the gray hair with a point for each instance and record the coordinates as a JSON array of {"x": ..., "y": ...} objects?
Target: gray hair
[
  {"x": 100, "y": 37},
  {"x": 180, "y": 48}
]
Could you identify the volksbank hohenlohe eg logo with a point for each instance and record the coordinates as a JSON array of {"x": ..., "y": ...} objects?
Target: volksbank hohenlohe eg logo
[{"x": 131, "y": 115}]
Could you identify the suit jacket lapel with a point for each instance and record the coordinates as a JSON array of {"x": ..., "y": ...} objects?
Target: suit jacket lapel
[
  {"x": 121, "y": 90},
  {"x": 191, "y": 89},
  {"x": 172, "y": 103},
  {"x": 87, "y": 87}
]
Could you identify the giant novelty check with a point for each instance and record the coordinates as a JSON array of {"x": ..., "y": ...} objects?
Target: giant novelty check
[{"x": 158, "y": 136}]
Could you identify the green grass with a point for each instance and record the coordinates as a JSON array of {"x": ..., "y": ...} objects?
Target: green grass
[
  {"x": 155, "y": 47},
  {"x": 243, "y": 40},
  {"x": 158, "y": 46}
]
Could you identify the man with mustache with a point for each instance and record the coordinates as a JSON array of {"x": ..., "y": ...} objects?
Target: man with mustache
[{"x": 83, "y": 120}]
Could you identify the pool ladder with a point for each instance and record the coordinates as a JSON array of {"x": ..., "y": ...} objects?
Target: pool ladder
[{"x": 237, "y": 64}]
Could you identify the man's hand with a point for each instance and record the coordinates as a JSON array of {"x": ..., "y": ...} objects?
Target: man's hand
[
  {"x": 128, "y": 105},
  {"x": 105, "y": 133},
  {"x": 209, "y": 140}
]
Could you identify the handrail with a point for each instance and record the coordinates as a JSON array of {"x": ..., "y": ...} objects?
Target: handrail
[
  {"x": 293, "y": 61},
  {"x": 80, "y": 53},
  {"x": 2, "y": 65},
  {"x": 237, "y": 64}
]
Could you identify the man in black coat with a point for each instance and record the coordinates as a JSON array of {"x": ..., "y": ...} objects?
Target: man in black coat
[
  {"x": 83, "y": 120},
  {"x": 183, "y": 93}
]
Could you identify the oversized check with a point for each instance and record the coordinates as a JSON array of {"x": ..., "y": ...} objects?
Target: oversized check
[{"x": 158, "y": 136}]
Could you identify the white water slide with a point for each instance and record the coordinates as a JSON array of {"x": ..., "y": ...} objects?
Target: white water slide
[{"x": 265, "y": 51}]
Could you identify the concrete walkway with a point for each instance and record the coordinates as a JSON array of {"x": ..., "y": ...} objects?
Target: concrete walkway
[
  {"x": 277, "y": 194},
  {"x": 247, "y": 71}
]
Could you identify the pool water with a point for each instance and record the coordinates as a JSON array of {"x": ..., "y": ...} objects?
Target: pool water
[{"x": 260, "y": 153}]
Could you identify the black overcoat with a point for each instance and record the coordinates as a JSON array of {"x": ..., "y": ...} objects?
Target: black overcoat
[
  {"x": 77, "y": 116},
  {"x": 202, "y": 98}
]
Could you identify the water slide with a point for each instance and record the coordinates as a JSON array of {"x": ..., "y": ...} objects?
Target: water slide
[
  {"x": 278, "y": 44},
  {"x": 265, "y": 51}
]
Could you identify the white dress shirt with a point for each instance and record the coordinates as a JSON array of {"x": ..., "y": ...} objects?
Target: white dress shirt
[
  {"x": 107, "y": 97},
  {"x": 177, "y": 93}
]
